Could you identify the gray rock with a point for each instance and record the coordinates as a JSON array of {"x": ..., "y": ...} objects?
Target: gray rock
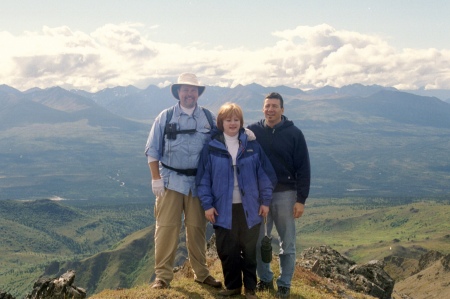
[
  {"x": 57, "y": 288},
  {"x": 369, "y": 278},
  {"x": 5, "y": 295}
]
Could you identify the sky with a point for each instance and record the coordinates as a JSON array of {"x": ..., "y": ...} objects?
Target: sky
[{"x": 306, "y": 44}]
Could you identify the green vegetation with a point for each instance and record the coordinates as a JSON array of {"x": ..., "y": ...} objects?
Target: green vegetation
[
  {"x": 366, "y": 229},
  {"x": 110, "y": 241},
  {"x": 36, "y": 234}
]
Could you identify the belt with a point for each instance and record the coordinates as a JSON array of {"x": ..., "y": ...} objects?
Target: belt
[{"x": 186, "y": 172}]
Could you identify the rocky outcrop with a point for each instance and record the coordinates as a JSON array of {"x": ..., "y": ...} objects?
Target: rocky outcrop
[
  {"x": 369, "y": 278},
  {"x": 57, "y": 288},
  {"x": 6, "y": 295}
]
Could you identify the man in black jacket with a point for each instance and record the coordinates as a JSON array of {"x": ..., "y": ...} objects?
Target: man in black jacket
[{"x": 286, "y": 148}]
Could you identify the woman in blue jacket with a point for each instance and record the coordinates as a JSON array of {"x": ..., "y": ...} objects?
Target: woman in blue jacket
[{"x": 235, "y": 181}]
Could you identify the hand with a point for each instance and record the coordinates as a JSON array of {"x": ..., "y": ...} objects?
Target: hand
[
  {"x": 210, "y": 215},
  {"x": 158, "y": 187},
  {"x": 250, "y": 135},
  {"x": 263, "y": 210},
  {"x": 299, "y": 208}
]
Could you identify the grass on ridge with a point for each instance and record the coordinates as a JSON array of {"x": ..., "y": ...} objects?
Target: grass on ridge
[{"x": 305, "y": 285}]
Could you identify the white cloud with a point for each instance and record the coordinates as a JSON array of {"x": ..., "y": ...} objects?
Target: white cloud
[{"x": 304, "y": 57}]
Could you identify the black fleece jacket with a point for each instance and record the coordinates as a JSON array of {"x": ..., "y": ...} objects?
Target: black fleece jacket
[{"x": 286, "y": 148}]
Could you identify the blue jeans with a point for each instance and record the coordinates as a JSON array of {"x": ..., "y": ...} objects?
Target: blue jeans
[{"x": 281, "y": 214}]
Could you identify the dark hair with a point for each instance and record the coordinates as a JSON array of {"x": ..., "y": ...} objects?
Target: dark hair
[{"x": 275, "y": 95}]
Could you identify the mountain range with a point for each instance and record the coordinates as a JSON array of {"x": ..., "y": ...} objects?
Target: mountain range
[{"x": 363, "y": 140}]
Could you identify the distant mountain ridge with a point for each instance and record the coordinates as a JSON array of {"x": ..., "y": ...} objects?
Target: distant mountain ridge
[
  {"x": 363, "y": 140},
  {"x": 401, "y": 107}
]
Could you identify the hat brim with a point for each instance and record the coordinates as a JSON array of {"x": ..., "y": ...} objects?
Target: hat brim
[{"x": 175, "y": 87}]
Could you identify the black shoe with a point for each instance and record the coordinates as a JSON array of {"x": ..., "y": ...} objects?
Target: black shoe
[
  {"x": 250, "y": 294},
  {"x": 283, "y": 292},
  {"x": 262, "y": 286},
  {"x": 230, "y": 292}
]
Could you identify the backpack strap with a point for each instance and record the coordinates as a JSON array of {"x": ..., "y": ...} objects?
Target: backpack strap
[
  {"x": 169, "y": 115},
  {"x": 208, "y": 116}
]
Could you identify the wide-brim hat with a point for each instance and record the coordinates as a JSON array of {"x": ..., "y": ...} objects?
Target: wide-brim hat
[{"x": 187, "y": 79}]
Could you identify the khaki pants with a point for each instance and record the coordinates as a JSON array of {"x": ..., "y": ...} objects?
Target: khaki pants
[{"x": 168, "y": 213}]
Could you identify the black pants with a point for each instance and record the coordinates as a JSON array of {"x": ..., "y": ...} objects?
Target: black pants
[{"x": 237, "y": 251}]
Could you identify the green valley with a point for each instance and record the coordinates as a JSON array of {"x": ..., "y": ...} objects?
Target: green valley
[{"x": 110, "y": 243}]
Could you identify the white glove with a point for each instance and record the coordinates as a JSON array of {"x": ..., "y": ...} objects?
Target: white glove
[
  {"x": 158, "y": 187},
  {"x": 250, "y": 135}
]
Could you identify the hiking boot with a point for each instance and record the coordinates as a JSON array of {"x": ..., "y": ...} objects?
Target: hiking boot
[
  {"x": 230, "y": 292},
  {"x": 211, "y": 281},
  {"x": 283, "y": 292},
  {"x": 160, "y": 284},
  {"x": 262, "y": 286},
  {"x": 250, "y": 294}
]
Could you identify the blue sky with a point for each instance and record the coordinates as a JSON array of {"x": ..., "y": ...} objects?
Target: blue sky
[{"x": 92, "y": 45}]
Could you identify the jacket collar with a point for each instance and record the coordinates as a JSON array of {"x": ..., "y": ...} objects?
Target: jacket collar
[{"x": 218, "y": 138}]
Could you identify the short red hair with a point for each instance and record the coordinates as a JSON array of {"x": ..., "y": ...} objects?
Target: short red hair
[{"x": 226, "y": 111}]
